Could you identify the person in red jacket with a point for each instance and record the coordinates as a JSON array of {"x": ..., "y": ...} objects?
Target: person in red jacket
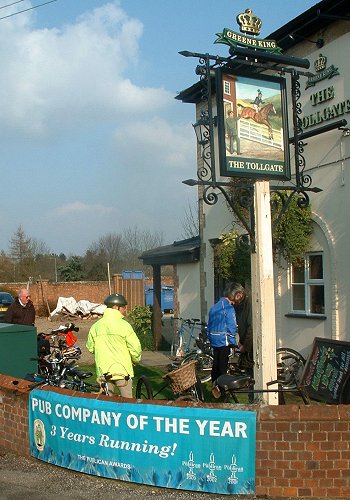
[{"x": 21, "y": 311}]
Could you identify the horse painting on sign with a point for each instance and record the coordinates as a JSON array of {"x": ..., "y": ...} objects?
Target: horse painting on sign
[{"x": 261, "y": 117}]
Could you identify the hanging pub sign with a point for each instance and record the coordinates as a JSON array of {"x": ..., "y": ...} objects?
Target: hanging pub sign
[{"x": 252, "y": 125}]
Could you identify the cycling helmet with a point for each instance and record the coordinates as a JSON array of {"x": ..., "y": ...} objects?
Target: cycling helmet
[{"x": 116, "y": 299}]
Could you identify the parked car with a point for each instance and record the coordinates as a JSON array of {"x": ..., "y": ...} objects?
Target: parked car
[{"x": 6, "y": 300}]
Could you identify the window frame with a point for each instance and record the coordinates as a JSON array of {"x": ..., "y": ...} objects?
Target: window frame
[
  {"x": 227, "y": 87},
  {"x": 307, "y": 284}
]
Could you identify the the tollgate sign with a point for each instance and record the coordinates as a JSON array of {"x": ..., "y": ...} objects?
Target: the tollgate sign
[{"x": 252, "y": 125}]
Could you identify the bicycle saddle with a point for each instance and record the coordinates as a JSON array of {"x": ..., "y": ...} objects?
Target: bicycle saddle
[{"x": 234, "y": 381}]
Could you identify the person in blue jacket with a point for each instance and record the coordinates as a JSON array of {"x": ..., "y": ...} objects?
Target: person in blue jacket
[{"x": 222, "y": 327}]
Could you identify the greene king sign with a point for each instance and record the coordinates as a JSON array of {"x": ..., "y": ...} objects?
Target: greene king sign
[{"x": 249, "y": 24}]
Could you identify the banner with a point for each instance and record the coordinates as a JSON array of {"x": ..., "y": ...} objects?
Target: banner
[{"x": 195, "y": 449}]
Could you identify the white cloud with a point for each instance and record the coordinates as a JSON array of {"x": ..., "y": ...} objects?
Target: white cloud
[
  {"x": 94, "y": 148},
  {"x": 78, "y": 207},
  {"x": 157, "y": 143},
  {"x": 53, "y": 79}
]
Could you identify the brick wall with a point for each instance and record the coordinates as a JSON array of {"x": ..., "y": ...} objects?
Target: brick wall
[
  {"x": 45, "y": 294},
  {"x": 302, "y": 451}
]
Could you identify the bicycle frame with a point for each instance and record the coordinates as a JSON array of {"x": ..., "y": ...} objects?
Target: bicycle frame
[
  {"x": 232, "y": 385},
  {"x": 185, "y": 337}
]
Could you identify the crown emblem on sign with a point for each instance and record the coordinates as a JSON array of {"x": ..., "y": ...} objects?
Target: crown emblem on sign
[
  {"x": 320, "y": 63},
  {"x": 249, "y": 22}
]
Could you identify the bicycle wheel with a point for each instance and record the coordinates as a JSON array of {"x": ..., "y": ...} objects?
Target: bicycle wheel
[
  {"x": 290, "y": 365},
  {"x": 143, "y": 388},
  {"x": 199, "y": 389},
  {"x": 203, "y": 366}
]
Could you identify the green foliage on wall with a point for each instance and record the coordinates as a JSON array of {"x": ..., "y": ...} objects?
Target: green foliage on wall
[
  {"x": 140, "y": 318},
  {"x": 232, "y": 261},
  {"x": 291, "y": 239}
]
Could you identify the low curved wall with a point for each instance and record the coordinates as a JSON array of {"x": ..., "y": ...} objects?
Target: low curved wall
[{"x": 301, "y": 451}]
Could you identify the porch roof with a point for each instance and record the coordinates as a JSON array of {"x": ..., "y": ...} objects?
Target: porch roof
[{"x": 179, "y": 252}]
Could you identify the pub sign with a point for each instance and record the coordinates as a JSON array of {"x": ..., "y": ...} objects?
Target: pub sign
[{"x": 252, "y": 125}]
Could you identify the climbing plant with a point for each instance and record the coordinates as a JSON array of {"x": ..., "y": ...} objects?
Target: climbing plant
[
  {"x": 292, "y": 233},
  {"x": 291, "y": 238},
  {"x": 232, "y": 259}
]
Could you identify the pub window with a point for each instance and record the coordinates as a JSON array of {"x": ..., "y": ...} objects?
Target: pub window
[
  {"x": 307, "y": 283},
  {"x": 227, "y": 87}
]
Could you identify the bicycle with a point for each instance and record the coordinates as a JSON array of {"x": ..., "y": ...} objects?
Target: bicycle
[
  {"x": 71, "y": 377},
  {"x": 182, "y": 381},
  {"x": 104, "y": 380},
  {"x": 62, "y": 373},
  {"x": 231, "y": 385},
  {"x": 290, "y": 366},
  {"x": 290, "y": 363},
  {"x": 185, "y": 337}
]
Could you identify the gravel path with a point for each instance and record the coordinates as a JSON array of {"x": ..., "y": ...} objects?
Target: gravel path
[{"x": 30, "y": 479}]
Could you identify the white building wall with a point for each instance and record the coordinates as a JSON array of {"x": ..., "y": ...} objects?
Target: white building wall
[
  {"x": 218, "y": 220},
  {"x": 189, "y": 290},
  {"x": 327, "y": 161}
]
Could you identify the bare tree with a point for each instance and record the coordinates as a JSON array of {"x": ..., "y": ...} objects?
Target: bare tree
[
  {"x": 109, "y": 249},
  {"x": 21, "y": 253},
  {"x": 190, "y": 222},
  {"x": 136, "y": 242},
  {"x": 6, "y": 268},
  {"x": 20, "y": 245},
  {"x": 31, "y": 258},
  {"x": 38, "y": 248}
]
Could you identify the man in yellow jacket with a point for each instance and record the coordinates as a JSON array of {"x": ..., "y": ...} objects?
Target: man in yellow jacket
[{"x": 115, "y": 345}]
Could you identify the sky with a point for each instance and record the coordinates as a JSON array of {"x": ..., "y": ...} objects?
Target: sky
[{"x": 92, "y": 139}]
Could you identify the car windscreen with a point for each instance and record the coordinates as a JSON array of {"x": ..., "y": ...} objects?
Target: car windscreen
[{"x": 6, "y": 298}]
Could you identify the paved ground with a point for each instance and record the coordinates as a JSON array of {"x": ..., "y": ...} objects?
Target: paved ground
[{"x": 31, "y": 479}]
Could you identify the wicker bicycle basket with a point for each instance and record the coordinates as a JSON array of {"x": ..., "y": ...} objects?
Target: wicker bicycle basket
[{"x": 182, "y": 378}]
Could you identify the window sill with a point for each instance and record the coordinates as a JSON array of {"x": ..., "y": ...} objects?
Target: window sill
[{"x": 306, "y": 316}]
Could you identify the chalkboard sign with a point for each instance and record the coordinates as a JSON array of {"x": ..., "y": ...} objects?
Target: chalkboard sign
[{"x": 326, "y": 375}]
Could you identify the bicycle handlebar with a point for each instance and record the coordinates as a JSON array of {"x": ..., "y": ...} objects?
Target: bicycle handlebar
[
  {"x": 37, "y": 384},
  {"x": 191, "y": 321}
]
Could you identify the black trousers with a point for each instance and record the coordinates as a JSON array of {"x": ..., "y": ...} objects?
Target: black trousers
[{"x": 220, "y": 361}]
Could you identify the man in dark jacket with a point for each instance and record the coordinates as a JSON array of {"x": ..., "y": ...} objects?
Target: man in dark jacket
[
  {"x": 21, "y": 311},
  {"x": 245, "y": 332}
]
